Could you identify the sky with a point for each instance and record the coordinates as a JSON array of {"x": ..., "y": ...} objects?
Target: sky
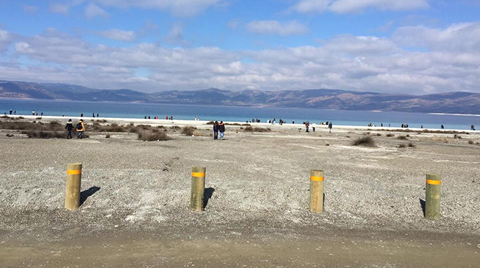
[{"x": 386, "y": 46}]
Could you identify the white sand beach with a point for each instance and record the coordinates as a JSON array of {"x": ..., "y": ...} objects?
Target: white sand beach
[{"x": 136, "y": 212}]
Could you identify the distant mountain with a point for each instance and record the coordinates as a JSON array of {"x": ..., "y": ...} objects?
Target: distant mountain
[{"x": 454, "y": 102}]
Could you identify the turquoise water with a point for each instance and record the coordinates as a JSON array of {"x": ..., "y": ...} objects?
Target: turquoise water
[{"x": 237, "y": 114}]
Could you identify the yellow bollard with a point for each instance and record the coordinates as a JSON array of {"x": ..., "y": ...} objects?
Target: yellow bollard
[
  {"x": 316, "y": 191},
  {"x": 198, "y": 188},
  {"x": 72, "y": 193},
  {"x": 432, "y": 196}
]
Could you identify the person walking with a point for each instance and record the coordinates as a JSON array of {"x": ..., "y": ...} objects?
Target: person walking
[
  {"x": 80, "y": 129},
  {"x": 69, "y": 128},
  {"x": 330, "y": 125},
  {"x": 221, "y": 128},
  {"x": 215, "y": 130}
]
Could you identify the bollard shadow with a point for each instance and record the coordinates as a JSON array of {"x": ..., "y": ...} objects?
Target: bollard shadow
[
  {"x": 87, "y": 193},
  {"x": 422, "y": 204},
  {"x": 207, "y": 195},
  {"x": 323, "y": 201}
]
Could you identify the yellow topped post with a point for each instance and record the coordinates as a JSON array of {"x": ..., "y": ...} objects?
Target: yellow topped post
[
  {"x": 316, "y": 191},
  {"x": 198, "y": 188},
  {"x": 432, "y": 196},
  {"x": 72, "y": 192}
]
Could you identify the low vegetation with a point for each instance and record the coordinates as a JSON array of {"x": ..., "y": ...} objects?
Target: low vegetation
[
  {"x": 152, "y": 135},
  {"x": 188, "y": 130},
  {"x": 366, "y": 141},
  {"x": 256, "y": 129}
]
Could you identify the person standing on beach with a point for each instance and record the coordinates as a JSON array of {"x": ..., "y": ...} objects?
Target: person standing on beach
[
  {"x": 307, "y": 124},
  {"x": 69, "y": 128},
  {"x": 221, "y": 128},
  {"x": 472, "y": 127},
  {"x": 313, "y": 126},
  {"x": 330, "y": 125},
  {"x": 215, "y": 130},
  {"x": 80, "y": 129}
]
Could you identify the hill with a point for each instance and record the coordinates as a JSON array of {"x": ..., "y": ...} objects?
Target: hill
[{"x": 453, "y": 102}]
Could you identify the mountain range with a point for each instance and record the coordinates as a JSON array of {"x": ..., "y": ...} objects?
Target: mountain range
[{"x": 453, "y": 102}]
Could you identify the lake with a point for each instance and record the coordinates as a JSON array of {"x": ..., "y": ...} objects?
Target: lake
[{"x": 236, "y": 113}]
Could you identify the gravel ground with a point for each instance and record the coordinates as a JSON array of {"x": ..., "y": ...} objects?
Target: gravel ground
[{"x": 259, "y": 186}]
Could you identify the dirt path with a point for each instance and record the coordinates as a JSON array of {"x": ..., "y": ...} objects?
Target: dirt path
[{"x": 237, "y": 248}]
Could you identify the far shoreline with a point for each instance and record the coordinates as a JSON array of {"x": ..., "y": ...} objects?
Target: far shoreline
[{"x": 203, "y": 124}]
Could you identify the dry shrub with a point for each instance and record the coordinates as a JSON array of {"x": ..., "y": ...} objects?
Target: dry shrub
[
  {"x": 40, "y": 134},
  {"x": 107, "y": 136},
  {"x": 115, "y": 128},
  {"x": 153, "y": 136},
  {"x": 390, "y": 135},
  {"x": 175, "y": 128},
  {"x": 55, "y": 125},
  {"x": 470, "y": 142},
  {"x": 411, "y": 145},
  {"x": 379, "y": 135},
  {"x": 188, "y": 130},
  {"x": 366, "y": 141},
  {"x": 457, "y": 136},
  {"x": 402, "y": 137},
  {"x": 402, "y": 145},
  {"x": 10, "y": 135},
  {"x": 256, "y": 129}
]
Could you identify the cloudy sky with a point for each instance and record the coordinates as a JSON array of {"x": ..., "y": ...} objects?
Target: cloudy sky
[{"x": 391, "y": 46}]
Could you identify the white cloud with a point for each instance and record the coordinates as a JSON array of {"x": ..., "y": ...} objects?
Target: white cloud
[
  {"x": 92, "y": 11},
  {"x": 177, "y": 7},
  {"x": 275, "y": 27},
  {"x": 176, "y": 36},
  {"x": 32, "y": 10},
  {"x": 353, "y": 6},
  {"x": 120, "y": 35},
  {"x": 233, "y": 24},
  {"x": 367, "y": 63},
  {"x": 5, "y": 39},
  {"x": 457, "y": 37},
  {"x": 64, "y": 6},
  {"x": 361, "y": 45},
  {"x": 59, "y": 9}
]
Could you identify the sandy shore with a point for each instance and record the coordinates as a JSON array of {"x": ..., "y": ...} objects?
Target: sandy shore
[{"x": 136, "y": 212}]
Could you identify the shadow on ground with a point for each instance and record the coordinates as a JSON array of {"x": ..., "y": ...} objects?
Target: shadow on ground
[{"x": 87, "y": 193}]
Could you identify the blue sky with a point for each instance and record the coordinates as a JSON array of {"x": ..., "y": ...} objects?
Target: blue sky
[{"x": 408, "y": 46}]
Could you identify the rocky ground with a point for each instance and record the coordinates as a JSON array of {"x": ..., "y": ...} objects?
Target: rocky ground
[{"x": 136, "y": 207}]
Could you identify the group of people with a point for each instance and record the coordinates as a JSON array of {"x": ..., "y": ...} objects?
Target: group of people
[
  {"x": 307, "y": 126},
  {"x": 218, "y": 127},
  {"x": 156, "y": 117},
  {"x": 80, "y": 128}
]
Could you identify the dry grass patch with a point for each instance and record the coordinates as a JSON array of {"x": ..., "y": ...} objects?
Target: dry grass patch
[
  {"x": 149, "y": 135},
  {"x": 256, "y": 129},
  {"x": 188, "y": 130},
  {"x": 366, "y": 141}
]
